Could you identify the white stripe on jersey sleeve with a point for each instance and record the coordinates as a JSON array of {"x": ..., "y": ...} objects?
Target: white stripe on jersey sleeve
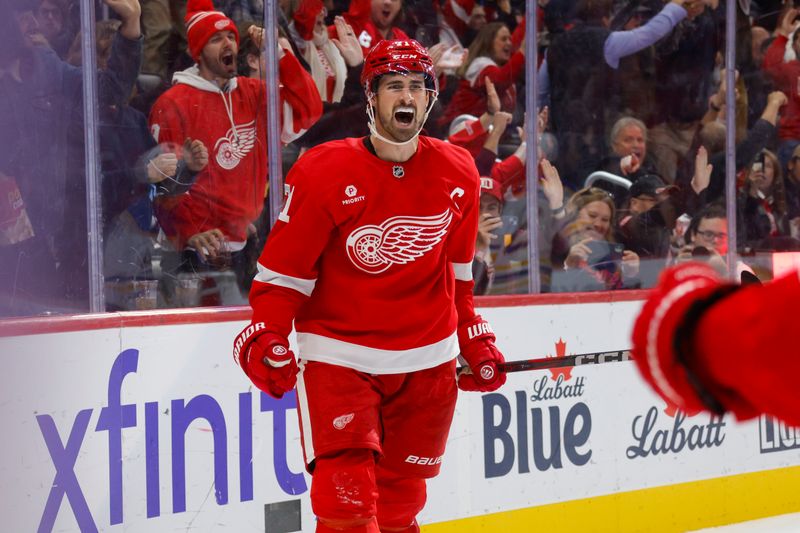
[
  {"x": 303, "y": 286},
  {"x": 463, "y": 271}
]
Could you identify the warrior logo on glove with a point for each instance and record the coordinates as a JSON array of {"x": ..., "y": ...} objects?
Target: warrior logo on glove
[
  {"x": 477, "y": 348},
  {"x": 266, "y": 359}
]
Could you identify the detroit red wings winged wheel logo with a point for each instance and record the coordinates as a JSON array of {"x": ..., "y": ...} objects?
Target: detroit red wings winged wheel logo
[
  {"x": 398, "y": 240},
  {"x": 237, "y": 143}
]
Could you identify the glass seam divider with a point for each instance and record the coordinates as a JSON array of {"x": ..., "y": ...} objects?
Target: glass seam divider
[
  {"x": 730, "y": 133},
  {"x": 91, "y": 158},
  {"x": 274, "y": 155},
  {"x": 532, "y": 147}
]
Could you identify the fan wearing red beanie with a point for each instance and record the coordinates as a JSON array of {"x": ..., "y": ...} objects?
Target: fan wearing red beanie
[{"x": 210, "y": 103}]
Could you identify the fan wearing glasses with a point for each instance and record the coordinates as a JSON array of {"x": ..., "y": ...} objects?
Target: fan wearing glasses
[{"x": 707, "y": 240}]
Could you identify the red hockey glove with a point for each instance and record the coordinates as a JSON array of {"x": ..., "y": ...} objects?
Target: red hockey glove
[
  {"x": 477, "y": 347},
  {"x": 266, "y": 359},
  {"x": 663, "y": 336}
]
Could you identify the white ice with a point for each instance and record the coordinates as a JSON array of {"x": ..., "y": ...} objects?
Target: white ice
[{"x": 787, "y": 523}]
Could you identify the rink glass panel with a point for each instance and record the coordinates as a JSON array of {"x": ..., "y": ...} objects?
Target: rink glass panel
[
  {"x": 49, "y": 223},
  {"x": 43, "y": 209}
]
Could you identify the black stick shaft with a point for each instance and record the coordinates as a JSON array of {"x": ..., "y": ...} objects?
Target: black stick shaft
[{"x": 581, "y": 359}]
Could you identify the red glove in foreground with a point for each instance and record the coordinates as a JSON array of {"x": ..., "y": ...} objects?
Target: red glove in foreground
[
  {"x": 266, "y": 359},
  {"x": 477, "y": 347},
  {"x": 663, "y": 343}
]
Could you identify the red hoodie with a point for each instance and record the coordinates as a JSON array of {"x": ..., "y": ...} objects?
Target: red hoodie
[{"x": 229, "y": 193}]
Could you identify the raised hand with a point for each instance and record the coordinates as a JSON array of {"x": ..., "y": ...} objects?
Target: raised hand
[
  {"x": 500, "y": 122},
  {"x": 492, "y": 100},
  {"x": 451, "y": 58},
  {"x": 551, "y": 185},
  {"x": 543, "y": 117},
  {"x": 257, "y": 35},
  {"x": 347, "y": 43},
  {"x": 702, "y": 171},
  {"x": 129, "y": 12},
  {"x": 788, "y": 23}
]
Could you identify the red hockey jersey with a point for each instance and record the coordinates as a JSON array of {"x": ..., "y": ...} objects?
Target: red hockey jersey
[
  {"x": 366, "y": 253},
  {"x": 229, "y": 193}
]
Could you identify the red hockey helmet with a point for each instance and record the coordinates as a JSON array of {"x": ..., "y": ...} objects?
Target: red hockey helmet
[{"x": 398, "y": 57}]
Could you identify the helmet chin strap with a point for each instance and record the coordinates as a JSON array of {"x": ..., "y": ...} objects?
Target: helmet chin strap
[{"x": 374, "y": 131}]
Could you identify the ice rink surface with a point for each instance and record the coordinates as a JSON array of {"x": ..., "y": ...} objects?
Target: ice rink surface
[{"x": 787, "y": 523}]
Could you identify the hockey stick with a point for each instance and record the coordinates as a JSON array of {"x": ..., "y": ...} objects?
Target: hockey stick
[{"x": 593, "y": 358}]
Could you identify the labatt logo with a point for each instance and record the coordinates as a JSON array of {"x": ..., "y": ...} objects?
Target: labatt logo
[
  {"x": 545, "y": 389},
  {"x": 652, "y": 438},
  {"x": 542, "y": 438}
]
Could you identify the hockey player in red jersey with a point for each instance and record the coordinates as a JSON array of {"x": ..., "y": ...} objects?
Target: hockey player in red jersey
[
  {"x": 706, "y": 344},
  {"x": 228, "y": 113},
  {"x": 371, "y": 256}
]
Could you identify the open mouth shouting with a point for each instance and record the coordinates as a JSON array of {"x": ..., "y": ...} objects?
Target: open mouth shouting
[
  {"x": 404, "y": 115},
  {"x": 228, "y": 60}
]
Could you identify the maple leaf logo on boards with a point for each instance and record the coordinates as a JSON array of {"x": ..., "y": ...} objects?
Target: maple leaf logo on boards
[
  {"x": 561, "y": 351},
  {"x": 671, "y": 410}
]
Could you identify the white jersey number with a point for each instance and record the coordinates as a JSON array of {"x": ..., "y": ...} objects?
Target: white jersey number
[{"x": 284, "y": 214}]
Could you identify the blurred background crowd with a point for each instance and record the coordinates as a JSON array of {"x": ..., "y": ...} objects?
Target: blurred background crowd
[{"x": 171, "y": 192}]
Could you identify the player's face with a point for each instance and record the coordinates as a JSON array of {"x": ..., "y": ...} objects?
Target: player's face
[
  {"x": 400, "y": 105},
  {"x": 218, "y": 58}
]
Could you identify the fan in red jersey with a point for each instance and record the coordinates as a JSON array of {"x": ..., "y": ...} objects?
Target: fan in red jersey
[
  {"x": 371, "y": 258},
  {"x": 227, "y": 113},
  {"x": 706, "y": 344}
]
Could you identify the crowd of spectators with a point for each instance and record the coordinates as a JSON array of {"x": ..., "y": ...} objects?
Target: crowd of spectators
[{"x": 631, "y": 147}]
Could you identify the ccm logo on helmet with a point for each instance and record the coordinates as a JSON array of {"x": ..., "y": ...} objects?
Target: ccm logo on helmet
[
  {"x": 413, "y": 459},
  {"x": 405, "y": 56}
]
